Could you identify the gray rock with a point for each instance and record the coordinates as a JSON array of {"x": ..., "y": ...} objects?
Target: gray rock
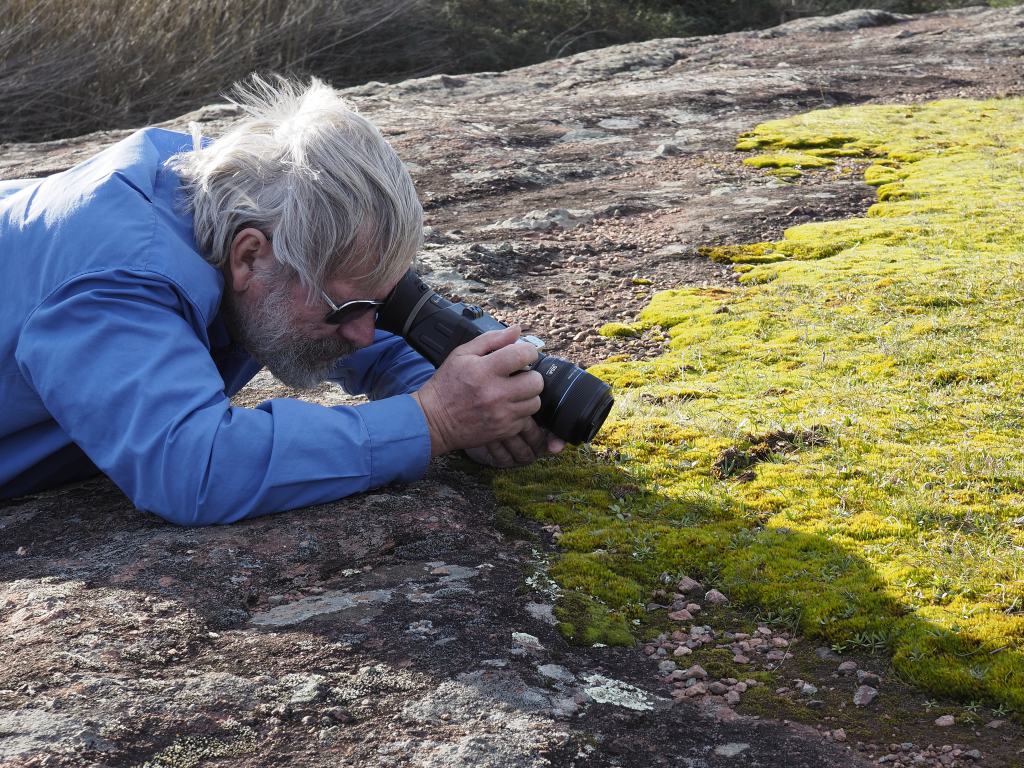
[
  {"x": 30, "y": 731},
  {"x": 696, "y": 671},
  {"x": 841, "y": 22},
  {"x": 865, "y": 696},
  {"x": 303, "y": 690},
  {"x": 686, "y": 585},
  {"x": 619, "y": 123},
  {"x": 868, "y": 678},
  {"x": 556, "y": 672}
]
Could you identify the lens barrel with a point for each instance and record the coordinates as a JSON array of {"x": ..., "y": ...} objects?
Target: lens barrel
[{"x": 574, "y": 403}]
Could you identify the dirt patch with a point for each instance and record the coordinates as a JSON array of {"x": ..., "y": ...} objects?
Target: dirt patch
[{"x": 736, "y": 462}]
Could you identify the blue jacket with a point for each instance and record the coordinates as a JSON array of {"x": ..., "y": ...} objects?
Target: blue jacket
[{"x": 113, "y": 357}]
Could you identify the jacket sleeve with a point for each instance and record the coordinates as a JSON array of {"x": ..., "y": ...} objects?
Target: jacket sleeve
[
  {"x": 386, "y": 368},
  {"x": 117, "y": 360}
]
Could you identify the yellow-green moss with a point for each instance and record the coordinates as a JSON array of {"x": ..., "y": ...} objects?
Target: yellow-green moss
[
  {"x": 751, "y": 253},
  {"x": 901, "y": 335},
  {"x": 789, "y": 160},
  {"x": 618, "y": 329}
]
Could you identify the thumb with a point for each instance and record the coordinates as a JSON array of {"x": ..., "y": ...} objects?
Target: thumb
[{"x": 486, "y": 343}]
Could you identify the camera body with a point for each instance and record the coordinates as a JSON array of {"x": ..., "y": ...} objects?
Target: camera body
[{"x": 574, "y": 403}]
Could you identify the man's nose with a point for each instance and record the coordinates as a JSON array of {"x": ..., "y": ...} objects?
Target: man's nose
[{"x": 359, "y": 330}]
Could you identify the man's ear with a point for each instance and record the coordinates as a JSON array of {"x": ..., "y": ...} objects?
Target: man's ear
[{"x": 250, "y": 253}]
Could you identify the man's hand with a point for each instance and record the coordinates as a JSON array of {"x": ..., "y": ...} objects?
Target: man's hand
[
  {"x": 480, "y": 396},
  {"x": 524, "y": 448}
]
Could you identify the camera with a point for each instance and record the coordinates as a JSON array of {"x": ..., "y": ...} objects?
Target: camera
[{"x": 574, "y": 403}]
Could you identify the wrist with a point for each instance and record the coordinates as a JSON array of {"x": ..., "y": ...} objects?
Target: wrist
[{"x": 438, "y": 445}]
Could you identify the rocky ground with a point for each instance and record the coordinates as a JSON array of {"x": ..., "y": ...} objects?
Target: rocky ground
[{"x": 413, "y": 625}]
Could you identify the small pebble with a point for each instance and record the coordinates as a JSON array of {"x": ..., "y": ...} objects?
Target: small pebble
[
  {"x": 865, "y": 695},
  {"x": 697, "y": 689},
  {"x": 715, "y": 597},
  {"x": 868, "y": 678},
  {"x": 687, "y": 585},
  {"x": 696, "y": 671}
]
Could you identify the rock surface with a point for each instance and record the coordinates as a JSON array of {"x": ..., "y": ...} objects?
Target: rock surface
[{"x": 401, "y": 627}]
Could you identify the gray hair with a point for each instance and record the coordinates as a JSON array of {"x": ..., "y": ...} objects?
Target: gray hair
[{"x": 305, "y": 168}]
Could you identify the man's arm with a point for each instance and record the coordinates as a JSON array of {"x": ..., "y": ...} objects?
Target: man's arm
[{"x": 117, "y": 360}]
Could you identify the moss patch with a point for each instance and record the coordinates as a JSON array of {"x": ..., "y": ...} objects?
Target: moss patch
[
  {"x": 788, "y": 160},
  {"x": 619, "y": 329},
  {"x": 897, "y": 341}
]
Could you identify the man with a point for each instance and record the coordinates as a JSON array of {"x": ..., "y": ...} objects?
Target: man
[{"x": 147, "y": 285}]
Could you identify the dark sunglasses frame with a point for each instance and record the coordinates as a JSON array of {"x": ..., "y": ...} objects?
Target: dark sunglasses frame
[
  {"x": 350, "y": 310},
  {"x": 347, "y": 310}
]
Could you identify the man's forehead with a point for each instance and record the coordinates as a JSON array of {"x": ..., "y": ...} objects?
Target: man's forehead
[{"x": 357, "y": 288}]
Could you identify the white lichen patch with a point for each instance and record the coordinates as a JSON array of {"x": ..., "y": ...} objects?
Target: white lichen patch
[
  {"x": 319, "y": 605},
  {"x": 527, "y": 641},
  {"x": 605, "y": 690}
]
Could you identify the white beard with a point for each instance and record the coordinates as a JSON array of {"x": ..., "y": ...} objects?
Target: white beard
[{"x": 267, "y": 332}]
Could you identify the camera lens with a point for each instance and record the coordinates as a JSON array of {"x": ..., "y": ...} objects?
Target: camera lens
[{"x": 574, "y": 403}]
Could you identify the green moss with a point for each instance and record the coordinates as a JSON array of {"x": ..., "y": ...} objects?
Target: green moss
[
  {"x": 764, "y": 702},
  {"x": 586, "y": 621},
  {"x": 752, "y": 253},
  {"x": 900, "y": 333},
  {"x": 618, "y": 329},
  {"x": 788, "y": 160},
  {"x": 718, "y": 663}
]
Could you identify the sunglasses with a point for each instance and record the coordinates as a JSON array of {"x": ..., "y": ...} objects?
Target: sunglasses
[
  {"x": 350, "y": 310},
  {"x": 347, "y": 310}
]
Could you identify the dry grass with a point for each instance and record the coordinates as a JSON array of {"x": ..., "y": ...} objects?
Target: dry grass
[{"x": 95, "y": 64}]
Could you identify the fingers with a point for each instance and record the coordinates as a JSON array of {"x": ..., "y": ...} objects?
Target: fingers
[
  {"x": 499, "y": 348},
  {"x": 555, "y": 444},
  {"x": 519, "y": 450},
  {"x": 525, "y": 386},
  {"x": 488, "y": 342},
  {"x": 512, "y": 358},
  {"x": 535, "y": 438},
  {"x": 511, "y": 452},
  {"x": 501, "y": 456}
]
